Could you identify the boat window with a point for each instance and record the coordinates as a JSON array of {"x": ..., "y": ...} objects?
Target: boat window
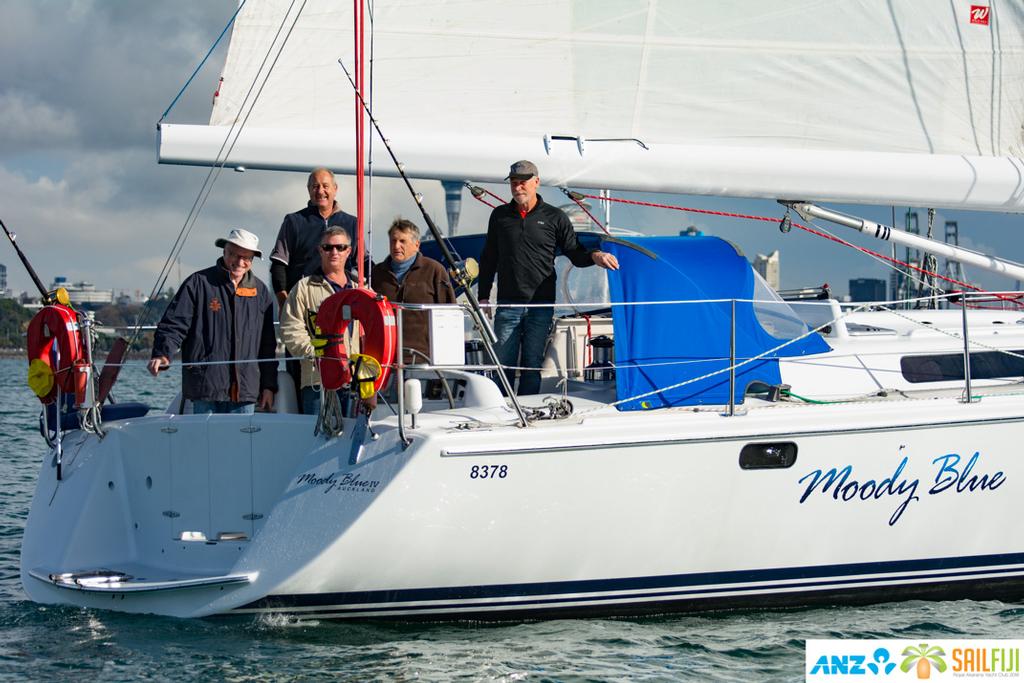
[
  {"x": 775, "y": 315},
  {"x": 949, "y": 367},
  {"x": 768, "y": 456},
  {"x": 581, "y": 286}
]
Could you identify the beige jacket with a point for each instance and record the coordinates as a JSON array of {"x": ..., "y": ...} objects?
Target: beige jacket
[{"x": 296, "y": 333}]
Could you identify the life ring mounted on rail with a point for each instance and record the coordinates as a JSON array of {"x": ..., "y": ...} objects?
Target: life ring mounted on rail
[
  {"x": 376, "y": 316},
  {"x": 56, "y": 354}
]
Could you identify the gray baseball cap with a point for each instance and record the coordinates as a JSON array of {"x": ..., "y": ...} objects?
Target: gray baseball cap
[{"x": 522, "y": 170}]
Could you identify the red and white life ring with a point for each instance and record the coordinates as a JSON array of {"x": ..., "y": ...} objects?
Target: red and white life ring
[
  {"x": 376, "y": 317},
  {"x": 56, "y": 354}
]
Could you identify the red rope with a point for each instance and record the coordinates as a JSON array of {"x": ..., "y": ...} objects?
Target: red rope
[
  {"x": 770, "y": 219},
  {"x": 484, "y": 201},
  {"x": 587, "y": 211},
  {"x": 503, "y": 201}
]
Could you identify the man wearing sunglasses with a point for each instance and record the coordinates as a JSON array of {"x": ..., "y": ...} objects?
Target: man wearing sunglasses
[{"x": 298, "y": 314}]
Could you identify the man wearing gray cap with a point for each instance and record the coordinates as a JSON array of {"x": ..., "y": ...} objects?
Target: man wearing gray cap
[
  {"x": 222, "y": 319},
  {"x": 522, "y": 239}
]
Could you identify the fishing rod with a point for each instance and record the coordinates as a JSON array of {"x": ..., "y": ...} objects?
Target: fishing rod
[
  {"x": 456, "y": 269},
  {"x": 28, "y": 266}
]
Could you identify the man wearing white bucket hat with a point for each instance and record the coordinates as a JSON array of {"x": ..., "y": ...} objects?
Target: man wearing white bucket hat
[{"x": 222, "y": 319}]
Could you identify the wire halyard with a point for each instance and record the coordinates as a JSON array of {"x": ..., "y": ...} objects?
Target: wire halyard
[{"x": 218, "y": 166}]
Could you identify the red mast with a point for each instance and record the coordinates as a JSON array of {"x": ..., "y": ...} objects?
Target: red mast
[{"x": 357, "y": 20}]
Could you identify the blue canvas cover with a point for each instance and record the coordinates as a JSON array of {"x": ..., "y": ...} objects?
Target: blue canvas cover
[{"x": 663, "y": 345}]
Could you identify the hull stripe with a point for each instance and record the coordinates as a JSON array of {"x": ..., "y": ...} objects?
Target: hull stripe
[{"x": 538, "y": 595}]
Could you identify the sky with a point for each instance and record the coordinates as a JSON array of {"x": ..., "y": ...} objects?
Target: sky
[{"x": 84, "y": 82}]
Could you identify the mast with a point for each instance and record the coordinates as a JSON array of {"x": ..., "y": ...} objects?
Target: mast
[{"x": 357, "y": 20}]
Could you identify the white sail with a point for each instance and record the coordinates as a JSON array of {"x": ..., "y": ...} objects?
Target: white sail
[{"x": 872, "y": 101}]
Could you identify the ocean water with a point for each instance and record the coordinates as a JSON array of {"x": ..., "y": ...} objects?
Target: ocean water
[{"x": 59, "y": 643}]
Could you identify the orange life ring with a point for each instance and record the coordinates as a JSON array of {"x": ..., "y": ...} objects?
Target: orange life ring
[
  {"x": 376, "y": 316},
  {"x": 56, "y": 325}
]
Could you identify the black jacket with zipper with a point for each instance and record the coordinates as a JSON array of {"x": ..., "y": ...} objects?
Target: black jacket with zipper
[{"x": 521, "y": 252}]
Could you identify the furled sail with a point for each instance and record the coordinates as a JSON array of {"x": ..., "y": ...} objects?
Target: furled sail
[{"x": 868, "y": 101}]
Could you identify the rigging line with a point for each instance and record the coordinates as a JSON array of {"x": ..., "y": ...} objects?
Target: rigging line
[
  {"x": 198, "y": 68},
  {"x": 887, "y": 261},
  {"x": 953, "y": 335},
  {"x": 578, "y": 198},
  {"x": 215, "y": 170},
  {"x": 770, "y": 219}
]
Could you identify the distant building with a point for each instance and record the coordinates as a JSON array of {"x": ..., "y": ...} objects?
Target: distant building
[
  {"x": 867, "y": 289},
  {"x": 3, "y": 282},
  {"x": 84, "y": 294},
  {"x": 768, "y": 268},
  {"x": 452, "y": 204}
]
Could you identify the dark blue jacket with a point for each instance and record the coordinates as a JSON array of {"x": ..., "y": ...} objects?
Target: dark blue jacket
[
  {"x": 295, "y": 254},
  {"x": 211, "y": 320}
]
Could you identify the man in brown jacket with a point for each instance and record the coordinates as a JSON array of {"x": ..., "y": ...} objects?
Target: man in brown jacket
[{"x": 407, "y": 276}]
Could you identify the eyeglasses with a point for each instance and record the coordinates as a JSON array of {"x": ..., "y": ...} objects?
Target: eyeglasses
[
  {"x": 327, "y": 248},
  {"x": 232, "y": 253}
]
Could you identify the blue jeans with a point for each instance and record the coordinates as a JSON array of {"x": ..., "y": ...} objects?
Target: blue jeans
[
  {"x": 522, "y": 335},
  {"x": 310, "y": 399},
  {"x": 200, "y": 407}
]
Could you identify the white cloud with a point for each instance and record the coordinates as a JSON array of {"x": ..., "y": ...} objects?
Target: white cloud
[{"x": 28, "y": 122}]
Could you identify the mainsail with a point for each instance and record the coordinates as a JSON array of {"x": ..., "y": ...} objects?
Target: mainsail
[{"x": 872, "y": 101}]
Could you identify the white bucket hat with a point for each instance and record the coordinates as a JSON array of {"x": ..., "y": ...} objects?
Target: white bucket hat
[{"x": 241, "y": 238}]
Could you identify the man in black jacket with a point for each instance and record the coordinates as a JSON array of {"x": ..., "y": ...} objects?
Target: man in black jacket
[
  {"x": 522, "y": 239},
  {"x": 223, "y": 316}
]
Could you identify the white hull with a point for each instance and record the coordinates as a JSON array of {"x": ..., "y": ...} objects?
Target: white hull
[{"x": 653, "y": 511}]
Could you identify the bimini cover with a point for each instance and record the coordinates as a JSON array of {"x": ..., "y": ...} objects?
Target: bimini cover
[{"x": 668, "y": 348}]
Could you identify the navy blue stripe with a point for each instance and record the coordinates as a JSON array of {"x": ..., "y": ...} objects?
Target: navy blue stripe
[
  {"x": 543, "y": 589},
  {"x": 574, "y": 600}
]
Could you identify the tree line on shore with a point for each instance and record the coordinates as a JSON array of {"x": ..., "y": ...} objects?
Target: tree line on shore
[{"x": 14, "y": 319}]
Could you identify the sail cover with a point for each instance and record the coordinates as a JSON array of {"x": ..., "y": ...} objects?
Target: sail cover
[
  {"x": 862, "y": 101},
  {"x": 663, "y": 352}
]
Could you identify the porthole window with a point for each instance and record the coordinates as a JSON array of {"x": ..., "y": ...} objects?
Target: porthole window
[{"x": 768, "y": 456}]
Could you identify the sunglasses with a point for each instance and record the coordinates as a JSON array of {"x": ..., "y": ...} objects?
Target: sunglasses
[{"x": 335, "y": 247}]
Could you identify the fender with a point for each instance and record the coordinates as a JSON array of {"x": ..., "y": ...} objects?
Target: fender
[
  {"x": 376, "y": 317},
  {"x": 56, "y": 354}
]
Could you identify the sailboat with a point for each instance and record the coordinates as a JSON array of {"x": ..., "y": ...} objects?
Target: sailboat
[{"x": 684, "y": 474}]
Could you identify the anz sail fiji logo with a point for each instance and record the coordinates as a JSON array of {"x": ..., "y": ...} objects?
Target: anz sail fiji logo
[{"x": 869, "y": 660}]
